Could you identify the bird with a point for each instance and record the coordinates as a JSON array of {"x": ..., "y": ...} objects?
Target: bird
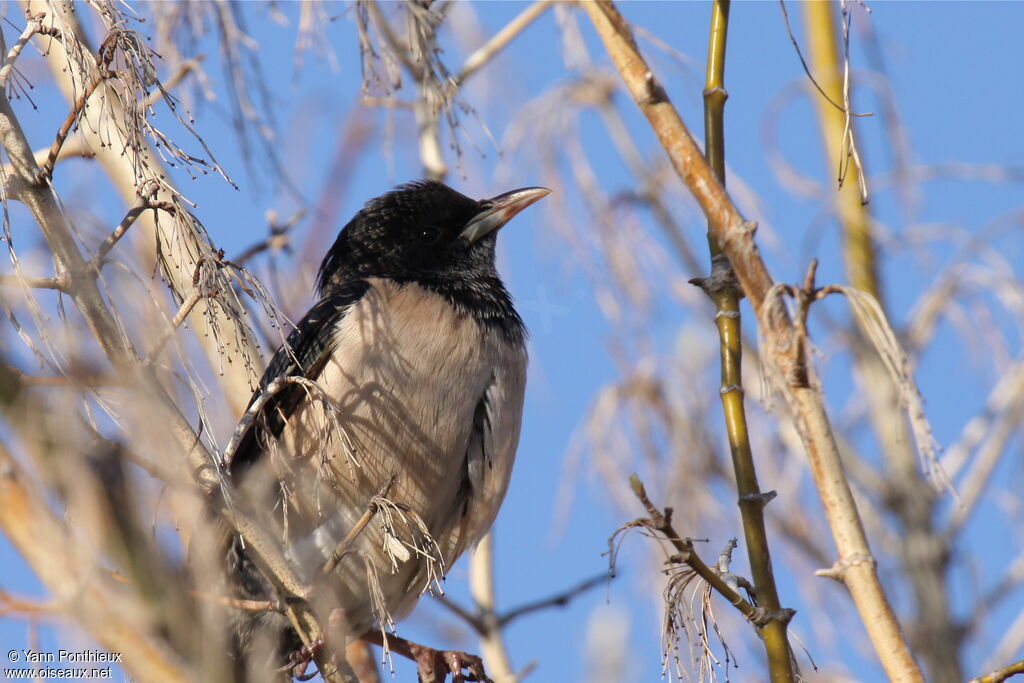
[{"x": 379, "y": 444}]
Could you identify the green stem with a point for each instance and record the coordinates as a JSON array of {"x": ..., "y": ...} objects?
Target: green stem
[{"x": 725, "y": 293}]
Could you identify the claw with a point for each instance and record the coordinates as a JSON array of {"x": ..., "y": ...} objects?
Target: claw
[
  {"x": 298, "y": 661},
  {"x": 433, "y": 666}
]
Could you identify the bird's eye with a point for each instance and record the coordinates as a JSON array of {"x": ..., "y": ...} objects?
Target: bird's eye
[{"x": 429, "y": 235}]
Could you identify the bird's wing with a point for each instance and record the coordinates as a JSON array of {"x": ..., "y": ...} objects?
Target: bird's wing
[
  {"x": 303, "y": 354},
  {"x": 491, "y": 450}
]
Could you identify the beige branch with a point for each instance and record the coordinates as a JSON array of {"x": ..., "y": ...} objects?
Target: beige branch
[
  {"x": 99, "y": 604},
  {"x": 735, "y": 236},
  {"x": 181, "y": 245},
  {"x": 499, "y": 40},
  {"x": 481, "y": 586}
]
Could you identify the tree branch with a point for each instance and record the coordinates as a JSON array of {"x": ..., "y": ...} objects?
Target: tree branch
[
  {"x": 499, "y": 40},
  {"x": 1000, "y": 675},
  {"x": 735, "y": 237}
]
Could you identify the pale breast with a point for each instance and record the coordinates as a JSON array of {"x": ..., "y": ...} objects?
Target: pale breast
[{"x": 408, "y": 373}]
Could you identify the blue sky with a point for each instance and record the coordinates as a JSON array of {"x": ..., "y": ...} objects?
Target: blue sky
[{"x": 954, "y": 69}]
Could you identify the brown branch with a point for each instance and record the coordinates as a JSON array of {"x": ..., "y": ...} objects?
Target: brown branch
[
  {"x": 432, "y": 665},
  {"x": 661, "y": 522},
  {"x": 144, "y": 202},
  {"x": 46, "y": 169},
  {"x": 278, "y": 239},
  {"x": 12, "y": 604},
  {"x": 558, "y": 600},
  {"x": 735, "y": 237}
]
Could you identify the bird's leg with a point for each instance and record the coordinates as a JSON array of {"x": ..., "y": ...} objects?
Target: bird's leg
[
  {"x": 433, "y": 666},
  {"x": 299, "y": 660}
]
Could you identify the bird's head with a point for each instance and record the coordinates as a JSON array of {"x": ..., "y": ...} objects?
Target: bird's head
[{"x": 423, "y": 230}]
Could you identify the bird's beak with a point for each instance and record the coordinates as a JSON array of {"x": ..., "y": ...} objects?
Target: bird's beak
[{"x": 499, "y": 210}]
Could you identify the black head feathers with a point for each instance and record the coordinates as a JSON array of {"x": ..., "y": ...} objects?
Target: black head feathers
[{"x": 427, "y": 233}]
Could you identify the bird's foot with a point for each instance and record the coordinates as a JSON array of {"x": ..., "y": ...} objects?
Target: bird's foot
[
  {"x": 433, "y": 666},
  {"x": 299, "y": 659}
]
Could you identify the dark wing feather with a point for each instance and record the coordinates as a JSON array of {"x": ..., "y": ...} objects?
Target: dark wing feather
[{"x": 304, "y": 354}]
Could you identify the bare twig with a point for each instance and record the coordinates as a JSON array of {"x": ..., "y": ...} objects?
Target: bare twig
[
  {"x": 278, "y": 238},
  {"x": 685, "y": 554},
  {"x": 179, "y": 317},
  {"x": 34, "y": 27},
  {"x": 144, "y": 202},
  {"x": 238, "y": 603},
  {"x": 184, "y": 69},
  {"x": 46, "y": 169},
  {"x": 499, "y": 40},
  {"x": 1000, "y": 675},
  {"x": 558, "y": 600},
  {"x": 19, "y": 280}
]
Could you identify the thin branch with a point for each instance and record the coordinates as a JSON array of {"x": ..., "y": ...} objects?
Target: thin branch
[
  {"x": 278, "y": 239},
  {"x": 238, "y": 603},
  {"x": 1000, "y": 675},
  {"x": 433, "y": 665},
  {"x": 179, "y": 317},
  {"x": 380, "y": 22},
  {"x": 725, "y": 293},
  {"x": 472, "y": 620},
  {"x": 386, "y": 102},
  {"x": 184, "y": 69},
  {"x": 685, "y": 554},
  {"x": 46, "y": 169},
  {"x": 803, "y": 62},
  {"x": 499, "y": 40},
  {"x": 144, "y": 202},
  {"x": 18, "y": 280},
  {"x": 12, "y": 604},
  {"x": 557, "y": 600},
  {"x": 34, "y": 27}
]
